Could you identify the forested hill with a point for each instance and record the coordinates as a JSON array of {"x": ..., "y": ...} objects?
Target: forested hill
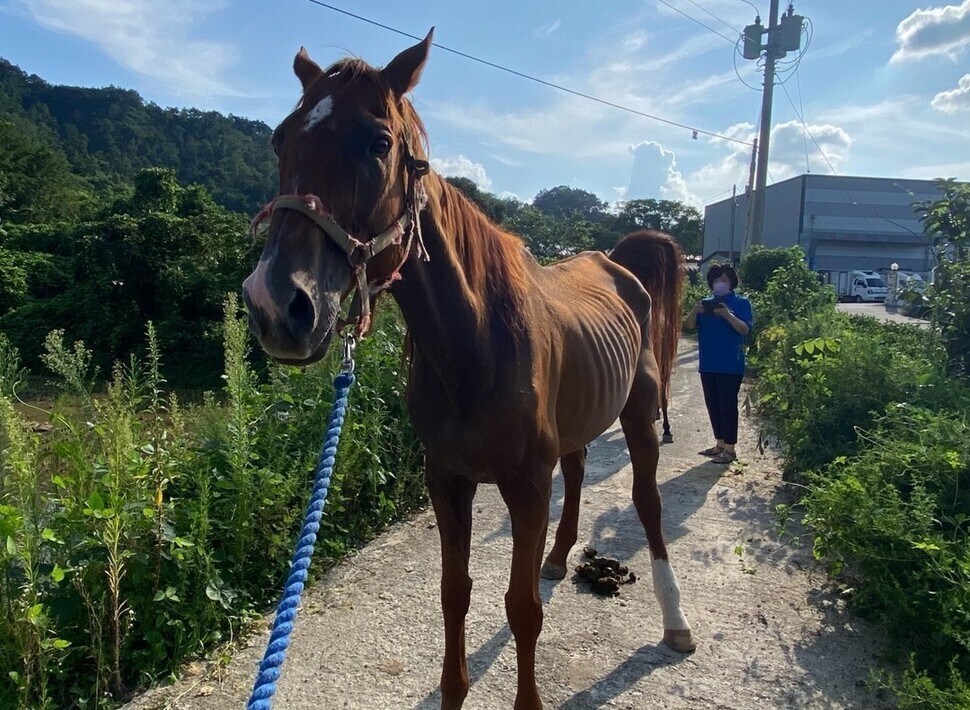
[{"x": 107, "y": 135}]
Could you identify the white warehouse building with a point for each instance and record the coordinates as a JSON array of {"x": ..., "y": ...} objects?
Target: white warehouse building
[{"x": 841, "y": 222}]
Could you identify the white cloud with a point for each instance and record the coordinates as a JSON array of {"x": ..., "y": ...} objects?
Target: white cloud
[
  {"x": 148, "y": 37},
  {"x": 957, "y": 99},
  {"x": 786, "y": 159},
  {"x": 461, "y": 166},
  {"x": 789, "y": 145},
  {"x": 654, "y": 169},
  {"x": 546, "y": 29},
  {"x": 936, "y": 30}
]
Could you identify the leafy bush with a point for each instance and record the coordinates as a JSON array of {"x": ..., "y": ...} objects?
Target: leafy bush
[
  {"x": 140, "y": 532},
  {"x": 894, "y": 517},
  {"x": 946, "y": 224},
  {"x": 825, "y": 375},
  {"x": 760, "y": 264},
  {"x": 949, "y": 299}
]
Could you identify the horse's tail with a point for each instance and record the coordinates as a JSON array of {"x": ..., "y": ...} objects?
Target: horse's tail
[{"x": 656, "y": 259}]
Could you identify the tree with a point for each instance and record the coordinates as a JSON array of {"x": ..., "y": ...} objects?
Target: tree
[
  {"x": 760, "y": 264},
  {"x": 683, "y": 222},
  {"x": 36, "y": 184},
  {"x": 169, "y": 255},
  {"x": 563, "y": 202},
  {"x": 946, "y": 224},
  {"x": 498, "y": 210}
]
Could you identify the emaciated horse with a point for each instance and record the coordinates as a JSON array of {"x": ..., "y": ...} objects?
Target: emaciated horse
[{"x": 515, "y": 366}]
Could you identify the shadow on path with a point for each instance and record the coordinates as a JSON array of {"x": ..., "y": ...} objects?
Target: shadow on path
[{"x": 639, "y": 665}]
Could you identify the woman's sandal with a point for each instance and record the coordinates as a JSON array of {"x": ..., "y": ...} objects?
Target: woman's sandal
[
  {"x": 713, "y": 451},
  {"x": 725, "y": 457}
]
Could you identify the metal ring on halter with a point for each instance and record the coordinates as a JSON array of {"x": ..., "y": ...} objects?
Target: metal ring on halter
[{"x": 350, "y": 342}]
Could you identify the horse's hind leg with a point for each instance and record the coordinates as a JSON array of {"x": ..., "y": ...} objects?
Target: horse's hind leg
[
  {"x": 573, "y": 467},
  {"x": 668, "y": 437},
  {"x": 452, "y": 497},
  {"x": 638, "y": 428}
]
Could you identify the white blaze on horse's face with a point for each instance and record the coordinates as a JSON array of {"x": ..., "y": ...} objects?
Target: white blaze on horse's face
[{"x": 320, "y": 112}]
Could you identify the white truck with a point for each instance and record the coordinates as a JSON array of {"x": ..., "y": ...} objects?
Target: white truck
[{"x": 859, "y": 286}]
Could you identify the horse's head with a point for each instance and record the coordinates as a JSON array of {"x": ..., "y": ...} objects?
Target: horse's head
[{"x": 350, "y": 156}]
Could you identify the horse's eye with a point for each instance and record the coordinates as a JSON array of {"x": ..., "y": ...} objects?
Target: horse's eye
[{"x": 381, "y": 146}]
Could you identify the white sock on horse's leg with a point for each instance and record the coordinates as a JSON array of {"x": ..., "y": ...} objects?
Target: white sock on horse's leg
[
  {"x": 677, "y": 632},
  {"x": 668, "y": 594}
]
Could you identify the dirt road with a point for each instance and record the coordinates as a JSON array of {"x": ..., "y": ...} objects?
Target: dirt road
[{"x": 370, "y": 635}]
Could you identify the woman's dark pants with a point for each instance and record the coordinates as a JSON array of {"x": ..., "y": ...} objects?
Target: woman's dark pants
[{"x": 721, "y": 396}]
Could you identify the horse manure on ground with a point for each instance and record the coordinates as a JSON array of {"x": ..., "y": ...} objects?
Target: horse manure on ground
[{"x": 603, "y": 574}]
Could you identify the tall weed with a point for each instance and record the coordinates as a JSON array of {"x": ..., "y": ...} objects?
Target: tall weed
[
  {"x": 895, "y": 519},
  {"x": 140, "y": 532}
]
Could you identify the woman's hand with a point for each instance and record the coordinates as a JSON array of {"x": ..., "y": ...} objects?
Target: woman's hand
[
  {"x": 698, "y": 308},
  {"x": 722, "y": 310}
]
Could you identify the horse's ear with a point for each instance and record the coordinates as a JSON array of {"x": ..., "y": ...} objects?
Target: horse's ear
[
  {"x": 305, "y": 68},
  {"x": 404, "y": 71}
]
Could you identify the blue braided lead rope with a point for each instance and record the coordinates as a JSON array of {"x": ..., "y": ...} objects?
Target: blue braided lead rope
[{"x": 279, "y": 641}]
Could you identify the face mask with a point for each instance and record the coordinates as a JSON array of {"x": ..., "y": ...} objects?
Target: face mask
[{"x": 721, "y": 289}]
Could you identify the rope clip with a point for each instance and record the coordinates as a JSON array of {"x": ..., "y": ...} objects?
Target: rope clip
[{"x": 350, "y": 343}]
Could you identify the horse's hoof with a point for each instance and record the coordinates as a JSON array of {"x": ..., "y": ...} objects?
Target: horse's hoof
[
  {"x": 550, "y": 570},
  {"x": 680, "y": 640},
  {"x": 668, "y": 438}
]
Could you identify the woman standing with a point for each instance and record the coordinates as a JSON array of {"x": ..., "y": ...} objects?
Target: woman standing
[{"x": 723, "y": 322}]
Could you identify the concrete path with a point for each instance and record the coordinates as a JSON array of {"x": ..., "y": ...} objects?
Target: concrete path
[{"x": 770, "y": 634}]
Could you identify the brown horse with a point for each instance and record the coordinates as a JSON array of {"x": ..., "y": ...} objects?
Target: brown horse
[{"x": 515, "y": 366}]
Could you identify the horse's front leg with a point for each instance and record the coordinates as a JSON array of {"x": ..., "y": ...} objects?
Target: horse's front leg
[
  {"x": 527, "y": 498},
  {"x": 573, "y": 470},
  {"x": 452, "y": 497}
]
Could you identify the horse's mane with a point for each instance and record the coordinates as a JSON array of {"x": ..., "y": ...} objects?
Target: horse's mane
[{"x": 494, "y": 262}]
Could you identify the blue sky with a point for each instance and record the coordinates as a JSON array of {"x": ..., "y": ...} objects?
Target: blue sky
[{"x": 883, "y": 87}]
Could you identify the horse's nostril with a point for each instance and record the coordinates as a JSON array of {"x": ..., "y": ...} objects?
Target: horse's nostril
[{"x": 300, "y": 311}]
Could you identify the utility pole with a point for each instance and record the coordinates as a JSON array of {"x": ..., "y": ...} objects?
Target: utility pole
[
  {"x": 734, "y": 209},
  {"x": 782, "y": 38},
  {"x": 748, "y": 201}
]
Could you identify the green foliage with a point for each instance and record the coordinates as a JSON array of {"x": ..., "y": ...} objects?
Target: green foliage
[
  {"x": 895, "y": 515},
  {"x": 66, "y": 142},
  {"x": 946, "y": 223},
  {"x": 793, "y": 292},
  {"x": 139, "y": 533},
  {"x": 691, "y": 294},
  {"x": 167, "y": 254},
  {"x": 564, "y": 202},
  {"x": 949, "y": 299},
  {"x": 824, "y": 376},
  {"x": 872, "y": 419},
  {"x": 495, "y": 208},
  {"x": 760, "y": 264},
  {"x": 683, "y": 222}
]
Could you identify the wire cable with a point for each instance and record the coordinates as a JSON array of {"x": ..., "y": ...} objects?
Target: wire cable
[
  {"x": 805, "y": 128},
  {"x": 694, "y": 19},
  {"x": 522, "y": 75},
  {"x": 704, "y": 9}
]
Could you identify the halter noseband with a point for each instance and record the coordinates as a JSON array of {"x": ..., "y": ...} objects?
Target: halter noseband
[{"x": 358, "y": 252}]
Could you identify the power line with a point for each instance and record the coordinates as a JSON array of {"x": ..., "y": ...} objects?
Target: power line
[
  {"x": 801, "y": 112},
  {"x": 754, "y": 6},
  {"x": 694, "y": 19},
  {"x": 519, "y": 74},
  {"x": 805, "y": 128},
  {"x": 704, "y": 9}
]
